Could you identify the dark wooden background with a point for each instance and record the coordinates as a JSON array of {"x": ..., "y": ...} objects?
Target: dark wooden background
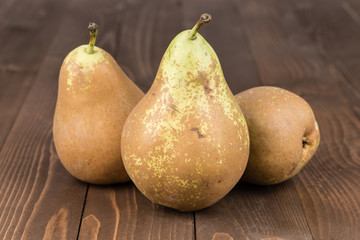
[{"x": 310, "y": 47}]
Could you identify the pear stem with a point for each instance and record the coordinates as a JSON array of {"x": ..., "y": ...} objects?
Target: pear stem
[
  {"x": 204, "y": 18},
  {"x": 93, "y": 29}
]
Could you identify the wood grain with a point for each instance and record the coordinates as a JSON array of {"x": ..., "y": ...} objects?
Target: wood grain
[
  {"x": 90, "y": 228},
  {"x": 247, "y": 212},
  {"x": 255, "y": 212},
  {"x": 122, "y": 212},
  {"x": 33, "y": 184},
  {"x": 38, "y": 198},
  {"x": 336, "y": 44},
  {"x": 308, "y": 47},
  {"x": 329, "y": 187},
  {"x": 19, "y": 63},
  {"x": 33, "y": 173},
  {"x": 325, "y": 181},
  {"x": 57, "y": 227},
  {"x": 142, "y": 34}
]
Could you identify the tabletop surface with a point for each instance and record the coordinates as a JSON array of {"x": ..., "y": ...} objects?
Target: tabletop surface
[{"x": 310, "y": 47}]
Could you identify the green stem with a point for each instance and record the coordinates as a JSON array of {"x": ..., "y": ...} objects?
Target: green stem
[
  {"x": 93, "y": 29},
  {"x": 204, "y": 18}
]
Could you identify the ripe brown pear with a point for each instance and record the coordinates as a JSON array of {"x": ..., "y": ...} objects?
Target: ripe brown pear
[
  {"x": 185, "y": 145},
  {"x": 284, "y": 134},
  {"x": 94, "y": 99}
]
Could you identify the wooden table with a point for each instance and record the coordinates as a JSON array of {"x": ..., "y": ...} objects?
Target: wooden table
[{"x": 310, "y": 47}]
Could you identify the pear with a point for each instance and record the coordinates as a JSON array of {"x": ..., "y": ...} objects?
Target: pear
[
  {"x": 94, "y": 99},
  {"x": 185, "y": 145},
  {"x": 284, "y": 134}
]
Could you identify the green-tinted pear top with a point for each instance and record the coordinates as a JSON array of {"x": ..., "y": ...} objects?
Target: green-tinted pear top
[
  {"x": 190, "y": 72},
  {"x": 84, "y": 60},
  {"x": 186, "y": 56},
  {"x": 88, "y": 55},
  {"x": 189, "y": 55}
]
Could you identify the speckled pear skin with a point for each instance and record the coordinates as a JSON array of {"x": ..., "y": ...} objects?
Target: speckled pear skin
[
  {"x": 94, "y": 99},
  {"x": 185, "y": 145},
  {"x": 284, "y": 134}
]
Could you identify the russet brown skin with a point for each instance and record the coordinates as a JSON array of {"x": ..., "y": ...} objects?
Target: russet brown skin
[
  {"x": 94, "y": 99},
  {"x": 199, "y": 168},
  {"x": 186, "y": 145},
  {"x": 284, "y": 134}
]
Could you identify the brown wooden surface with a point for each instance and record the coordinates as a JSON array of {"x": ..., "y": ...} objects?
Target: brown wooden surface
[{"x": 310, "y": 47}]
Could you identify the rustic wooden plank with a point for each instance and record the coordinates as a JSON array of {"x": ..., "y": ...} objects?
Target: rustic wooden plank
[
  {"x": 255, "y": 212},
  {"x": 248, "y": 211},
  {"x": 329, "y": 187},
  {"x": 36, "y": 192},
  {"x": 298, "y": 46},
  {"x": 122, "y": 212},
  {"x": 142, "y": 35},
  {"x": 22, "y": 27},
  {"x": 335, "y": 26},
  {"x": 282, "y": 49},
  {"x": 38, "y": 198},
  {"x": 14, "y": 92},
  {"x": 137, "y": 39},
  {"x": 288, "y": 56}
]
